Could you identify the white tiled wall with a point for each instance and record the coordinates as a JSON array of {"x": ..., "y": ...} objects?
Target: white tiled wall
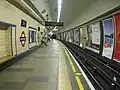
[{"x": 12, "y": 15}]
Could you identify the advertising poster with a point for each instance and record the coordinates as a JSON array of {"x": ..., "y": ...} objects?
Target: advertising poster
[
  {"x": 23, "y": 23},
  {"x": 67, "y": 36},
  {"x": 64, "y": 36},
  {"x": 89, "y": 36},
  {"x": 93, "y": 37},
  {"x": 96, "y": 33},
  {"x": 60, "y": 36},
  {"x": 117, "y": 37},
  {"x": 71, "y": 34},
  {"x": 76, "y": 36},
  {"x": 81, "y": 36},
  {"x": 108, "y": 44},
  {"x": 32, "y": 36}
]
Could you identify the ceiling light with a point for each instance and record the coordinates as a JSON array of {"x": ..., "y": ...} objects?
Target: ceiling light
[{"x": 59, "y": 9}]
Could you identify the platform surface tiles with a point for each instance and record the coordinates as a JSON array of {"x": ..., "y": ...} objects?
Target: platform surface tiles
[{"x": 47, "y": 68}]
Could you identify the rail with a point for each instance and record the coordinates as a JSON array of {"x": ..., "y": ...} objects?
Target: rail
[{"x": 101, "y": 75}]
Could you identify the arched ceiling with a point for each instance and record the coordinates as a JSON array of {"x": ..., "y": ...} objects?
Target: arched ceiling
[
  {"x": 47, "y": 9},
  {"x": 73, "y": 12},
  {"x": 43, "y": 7},
  {"x": 71, "y": 9}
]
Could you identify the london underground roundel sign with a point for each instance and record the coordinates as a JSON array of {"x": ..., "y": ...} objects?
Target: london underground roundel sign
[{"x": 23, "y": 38}]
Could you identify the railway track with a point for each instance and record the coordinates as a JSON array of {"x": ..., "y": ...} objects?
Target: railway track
[{"x": 102, "y": 76}]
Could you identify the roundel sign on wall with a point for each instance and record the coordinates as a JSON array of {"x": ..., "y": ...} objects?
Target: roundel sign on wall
[{"x": 23, "y": 38}]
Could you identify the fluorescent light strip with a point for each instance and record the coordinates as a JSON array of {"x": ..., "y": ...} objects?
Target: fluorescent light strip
[
  {"x": 59, "y": 9},
  {"x": 29, "y": 8}
]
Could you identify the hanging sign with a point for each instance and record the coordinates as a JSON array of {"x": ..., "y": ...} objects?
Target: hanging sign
[{"x": 53, "y": 23}]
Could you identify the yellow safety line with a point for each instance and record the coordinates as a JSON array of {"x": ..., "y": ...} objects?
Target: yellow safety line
[
  {"x": 71, "y": 63},
  {"x": 64, "y": 82},
  {"x": 74, "y": 70},
  {"x": 78, "y": 74},
  {"x": 79, "y": 83}
]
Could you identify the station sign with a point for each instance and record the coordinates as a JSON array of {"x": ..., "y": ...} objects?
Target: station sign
[
  {"x": 23, "y": 38},
  {"x": 53, "y": 23},
  {"x": 23, "y": 23}
]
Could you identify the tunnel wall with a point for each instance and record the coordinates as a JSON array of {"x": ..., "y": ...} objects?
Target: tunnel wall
[
  {"x": 12, "y": 15},
  {"x": 101, "y": 34},
  {"x": 97, "y": 8}
]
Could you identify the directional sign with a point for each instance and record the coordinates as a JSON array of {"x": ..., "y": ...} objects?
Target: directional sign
[{"x": 53, "y": 23}]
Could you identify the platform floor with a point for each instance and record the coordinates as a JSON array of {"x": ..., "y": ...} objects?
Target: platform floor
[{"x": 48, "y": 68}]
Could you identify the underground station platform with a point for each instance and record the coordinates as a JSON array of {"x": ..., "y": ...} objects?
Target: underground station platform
[{"x": 49, "y": 67}]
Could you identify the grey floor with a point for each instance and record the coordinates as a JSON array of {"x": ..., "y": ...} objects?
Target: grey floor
[
  {"x": 47, "y": 68},
  {"x": 37, "y": 71}
]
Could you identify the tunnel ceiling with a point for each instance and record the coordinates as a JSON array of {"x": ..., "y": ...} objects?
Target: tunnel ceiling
[
  {"x": 43, "y": 8},
  {"x": 71, "y": 9}
]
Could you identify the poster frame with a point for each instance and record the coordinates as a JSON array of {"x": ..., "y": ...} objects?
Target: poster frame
[
  {"x": 118, "y": 13},
  {"x": 98, "y": 51},
  {"x": 78, "y": 35},
  {"x": 109, "y": 18}
]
